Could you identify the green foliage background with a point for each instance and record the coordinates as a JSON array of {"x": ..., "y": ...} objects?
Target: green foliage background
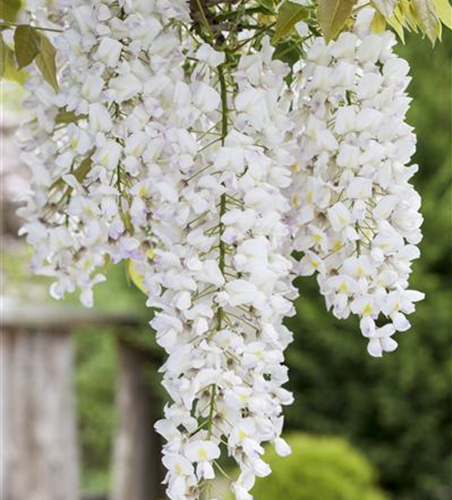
[
  {"x": 318, "y": 468},
  {"x": 396, "y": 410}
]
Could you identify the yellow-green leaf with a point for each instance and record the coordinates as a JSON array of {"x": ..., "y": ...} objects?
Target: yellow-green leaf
[
  {"x": 288, "y": 16},
  {"x": 268, "y": 5},
  {"x": 8, "y": 68},
  {"x": 385, "y": 7},
  {"x": 400, "y": 16},
  {"x": 398, "y": 28},
  {"x": 439, "y": 31},
  {"x": 84, "y": 168},
  {"x": 45, "y": 61},
  {"x": 9, "y": 10},
  {"x": 408, "y": 14},
  {"x": 27, "y": 43},
  {"x": 426, "y": 15},
  {"x": 135, "y": 277},
  {"x": 378, "y": 23},
  {"x": 65, "y": 116},
  {"x": 3, "y": 55},
  {"x": 444, "y": 11},
  {"x": 332, "y": 16}
]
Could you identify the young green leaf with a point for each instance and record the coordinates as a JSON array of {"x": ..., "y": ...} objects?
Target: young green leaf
[
  {"x": 268, "y": 5},
  {"x": 444, "y": 11},
  {"x": 288, "y": 16},
  {"x": 332, "y": 15},
  {"x": 135, "y": 277},
  {"x": 397, "y": 26},
  {"x": 408, "y": 14},
  {"x": 84, "y": 168},
  {"x": 426, "y": 15},
  {"x": 288, "y": 51},
  {"x": 8, "y": 68},
  {"x": 65, "y": 116},
  {"x": 27, "y": 43},
  {"x": 45, "y": 62},
  {"x": 79, "y": 173},
  {"x": 9, "y": 10},
  {"x": 3, "y": 55},
  {"x": 378, "y": 23},
  {"x": 385, "y": 7}
]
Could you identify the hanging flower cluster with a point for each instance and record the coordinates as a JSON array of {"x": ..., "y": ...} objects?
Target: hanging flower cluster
[
  {"x": 223, "y": 264},
  {"x": 204, "y": 170},
  {"x": 357, "y": 217},
  {"x": 90, "y": 143}
]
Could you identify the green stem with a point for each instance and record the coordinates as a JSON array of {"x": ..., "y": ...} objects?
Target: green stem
[
  {"x": 259, "y": 32},
  {"x": 211, "y": 412},
  {"x": 222, "y": 249},
  {"x": 15, "y": 25},
  {"x": 204, "y": 19},
  {"x": 224, "y": 133}
]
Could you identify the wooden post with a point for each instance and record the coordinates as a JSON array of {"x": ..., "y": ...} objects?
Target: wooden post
[
  {"x": 136, "y": 461},
  {"x": 39, "y": 440},
  {"x": 39, "y": 450}
]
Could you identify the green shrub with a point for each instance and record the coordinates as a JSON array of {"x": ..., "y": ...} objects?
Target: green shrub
[
  {"x": 95, "y": 386},
  {"x": 320, "y": 468}
]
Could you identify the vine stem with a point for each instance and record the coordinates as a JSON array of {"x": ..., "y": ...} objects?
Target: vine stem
[
  {"x": 15, "y": 25},
  {"x": 221, "y": 245},
  {"x": 223, "y": 207},
  {"x": 204, "y": 19},
  {"x": 221, "y": 249}
]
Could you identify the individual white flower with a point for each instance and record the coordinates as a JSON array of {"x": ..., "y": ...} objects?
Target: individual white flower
[
  {"x": 203, "y": 453},
  {"x": 208, "y": 54},
  {"x": 109, "y": 51},
  {"x": 99, "y": 118},
  {"x": 282, "y": 448},
  {"x": 125, "y": 87},
  {"x": 92, "y": 88}
]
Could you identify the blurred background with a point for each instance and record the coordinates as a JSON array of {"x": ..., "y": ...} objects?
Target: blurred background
[{"x": 361, "y": 428}]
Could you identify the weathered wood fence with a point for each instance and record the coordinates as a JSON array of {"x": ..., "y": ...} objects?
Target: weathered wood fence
[{"x": 39, "y": 444}]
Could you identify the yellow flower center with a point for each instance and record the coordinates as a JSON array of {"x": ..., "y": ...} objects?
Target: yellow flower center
[
  {"x": 368, "y": 310},
  {"x": 242, "y": 435}
]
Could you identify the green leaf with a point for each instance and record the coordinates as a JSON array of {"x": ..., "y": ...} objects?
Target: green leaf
[
  {"x": 135, "y": 277},
  {"x": 426, "y": 15},
  {"x": 288, "y": 16},
  {"x": 3, "y": 56},
  {"x": 444, "y": 11},
  {"x": 288, "y": 51},
  {"x": 9, "y": 10},
  {"x": 65, "y": 116},
  {"x": 26, "y": 45},
  {"x": 398, "y": 28},
  {"x": 84, "y": 168},
  {"x": 268, "y": 5},
  {"x": 332, "y": 16},
  {"x": 45, "y": 62},
  {"x": 378, "y": 23},
  {"x": 385, "y": 7},
  {"x": 8, "y": 68},
  {"x": 408, "y": 14}
]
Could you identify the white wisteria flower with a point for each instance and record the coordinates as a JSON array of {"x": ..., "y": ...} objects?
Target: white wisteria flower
[
  {"x": 206, "y": 171},
  {"x": 355, "y": 215}
]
